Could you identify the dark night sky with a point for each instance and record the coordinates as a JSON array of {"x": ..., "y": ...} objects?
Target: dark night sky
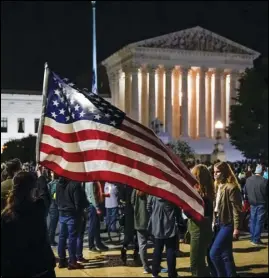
[{"x": 61, "y": 32}]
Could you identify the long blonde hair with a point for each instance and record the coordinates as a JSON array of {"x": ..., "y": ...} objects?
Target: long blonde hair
[
  {"x": 228, "y": 174},
  {"x": 203, "y": 175}
]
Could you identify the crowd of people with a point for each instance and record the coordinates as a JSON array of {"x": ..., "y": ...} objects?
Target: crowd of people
[{"x": 30, "y": 196}]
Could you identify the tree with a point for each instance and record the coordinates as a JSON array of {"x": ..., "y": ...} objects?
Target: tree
[
  {"x": 248, "y": 128},
  {"x": 183, "y": 150},
  {"x": 24, "y": 149}
]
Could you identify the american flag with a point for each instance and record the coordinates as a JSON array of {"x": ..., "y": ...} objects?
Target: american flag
[{"x": 85, "y": 138}]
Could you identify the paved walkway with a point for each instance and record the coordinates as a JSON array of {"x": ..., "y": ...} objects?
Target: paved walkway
[{"x": 250, "y": 261}]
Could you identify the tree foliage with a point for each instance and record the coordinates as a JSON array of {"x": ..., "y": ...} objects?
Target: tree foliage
[
  {"x": 248, "y": 129},
  {"x": 24, "y": 149},
  {"x": 183, "y": 150}
]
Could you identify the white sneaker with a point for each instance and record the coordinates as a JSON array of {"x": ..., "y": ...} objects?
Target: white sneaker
[{"x": 147, "y": 271}]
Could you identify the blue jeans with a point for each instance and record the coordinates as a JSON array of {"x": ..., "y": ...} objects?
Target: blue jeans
[
  {"x": 94, "y": 227},
  {"x": 68, "y": 229},
  {"x": 54, "y": 217},
  {"x": 171, "y": 246},
  {"x": 111, "y": 215},
  {"x": 221, "y": 252},
  {"x": 257, "y": 217},
  {"x": 80, "y": 238}
]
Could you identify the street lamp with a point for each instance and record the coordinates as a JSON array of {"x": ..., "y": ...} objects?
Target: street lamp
[
  {"x": 218, "y": 151},
  {"x": 218, "y": 127}
]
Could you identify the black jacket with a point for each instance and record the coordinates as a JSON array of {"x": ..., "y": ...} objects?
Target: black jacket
[
  {"x": 70, "y": 197},
  {"x": 42, "y": 192},
  {"x": 25, "y": 249}
]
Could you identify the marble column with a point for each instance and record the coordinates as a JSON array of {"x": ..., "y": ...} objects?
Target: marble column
[
  {"x": 208, "y": 105},
  {"x": 185, "y": 104},
  {"x": 168, "y": 100},
  {"x": 202, "y": 103},
  {"x": 122, "y": 97},
  {"x": 193, "y": 106},
  {"x": 176, "y": 105},
  {"x": 135, "y": 97},
  {"x": 223, "y": 99},
  {"x": 233, "y": 80},
  {"x": 116, "y": 88},
  {"x": 127, "y": 93},
  {"x": 217, "y": 104},
  {"x": 112, "y": 87},
  {"x": 152, "y": 94},
  {"x": 160, "y": 95},
  {"x": 144, "y": 97}
]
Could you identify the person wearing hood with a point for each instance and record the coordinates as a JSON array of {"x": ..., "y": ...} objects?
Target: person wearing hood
[
  {"x": 70, "y": 202},
  {"x": 162, "y": 225}
]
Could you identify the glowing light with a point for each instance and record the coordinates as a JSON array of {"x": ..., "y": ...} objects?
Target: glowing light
[{"x": 218, "y": 125}]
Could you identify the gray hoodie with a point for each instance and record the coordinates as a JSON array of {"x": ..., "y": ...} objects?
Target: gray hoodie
[{"x": 163, "y": 218}]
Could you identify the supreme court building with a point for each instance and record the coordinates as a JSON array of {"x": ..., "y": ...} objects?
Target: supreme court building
[{"x": 186, "y": 79}]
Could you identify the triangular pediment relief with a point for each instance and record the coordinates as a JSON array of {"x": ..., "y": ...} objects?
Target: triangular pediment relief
[{"x": 196, "y": 39}]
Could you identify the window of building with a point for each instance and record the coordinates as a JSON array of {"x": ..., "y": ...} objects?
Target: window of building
[
  {"x": 36, "y": 125},
  {"x": 3, "y": 124},
  {"x": 21, "y": 126}
]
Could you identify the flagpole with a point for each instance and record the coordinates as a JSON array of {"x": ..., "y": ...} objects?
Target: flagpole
[
  {"x": 44, "y": 103},
  {"x": 94, "y": 58}
]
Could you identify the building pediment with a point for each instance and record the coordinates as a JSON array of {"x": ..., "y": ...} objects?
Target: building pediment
[{"x": 196, "y": 39}]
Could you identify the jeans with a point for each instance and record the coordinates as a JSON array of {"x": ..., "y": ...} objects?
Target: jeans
[
  {"x": 142, "y": 237},
  {"x": 54, "y": 217},
  {"x": 200, "y": 239},
  {"x": 80, "y": 238},
  {"x": 170, "y": 245},
  {"x": 94, "y": 227},
  {"x": 68, "y": 229},
  {"x": 257, "y": 217},
  {"x": 221, "y": 252},
  {"x": 111, "y": 215}
]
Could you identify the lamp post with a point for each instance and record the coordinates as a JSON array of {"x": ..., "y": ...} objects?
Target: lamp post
[{"x": 218, "y": 152}]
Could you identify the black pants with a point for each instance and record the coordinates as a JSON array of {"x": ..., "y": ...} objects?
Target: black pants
[
  {"x": 171, "y": 246},
  {"x": 54, "y": 218},
  {"x": 130, "y": 238}
]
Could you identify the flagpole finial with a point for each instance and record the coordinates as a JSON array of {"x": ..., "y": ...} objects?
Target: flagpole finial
[{"x": 46, "y": 65}]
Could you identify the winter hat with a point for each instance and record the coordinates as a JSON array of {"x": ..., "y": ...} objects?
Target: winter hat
[{"x": 258, "y": 169}]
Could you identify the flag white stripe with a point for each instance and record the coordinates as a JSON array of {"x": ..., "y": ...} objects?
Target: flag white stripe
[
  {"x": 80, "y": 126},
  {"x": 106, "y": 145},
  {"x": 105, "y": 165}
]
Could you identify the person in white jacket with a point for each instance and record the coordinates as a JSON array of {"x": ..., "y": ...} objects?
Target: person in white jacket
[{"x": 111, "y": 205}]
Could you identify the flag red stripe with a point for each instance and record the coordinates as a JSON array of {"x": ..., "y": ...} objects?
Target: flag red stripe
[
  {"x": 102, "y": 135},
  {"x": 120, "y": 159},
  {"x": 136, "y": 133},
  {"x": 124, "y": 179},
  {"x": 166, "y": 149}
]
